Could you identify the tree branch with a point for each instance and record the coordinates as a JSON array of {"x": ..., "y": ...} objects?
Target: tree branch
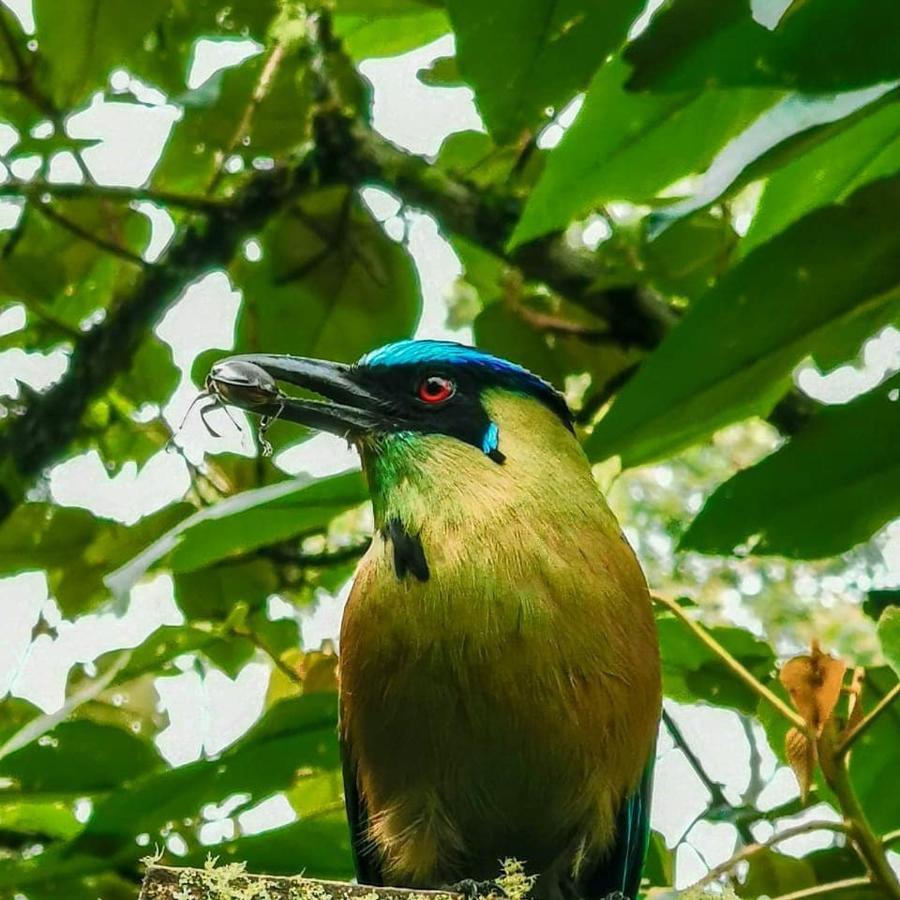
[
  {"x": 751, "y": 850},
  {"x": 869, "y": 847},
  {"x": 37, "y": 189},
  {"x": 820, "y": 890},
  {"x": 165, "y": 883},
  {"x": 36, "y": 439},
  {"x": 718, "y": 800}
]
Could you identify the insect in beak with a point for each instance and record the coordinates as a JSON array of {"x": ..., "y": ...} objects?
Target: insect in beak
[{"x": 245, "y": 385}]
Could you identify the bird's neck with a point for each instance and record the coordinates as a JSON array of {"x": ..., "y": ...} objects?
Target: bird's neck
[{"x": 439, "y": 487}]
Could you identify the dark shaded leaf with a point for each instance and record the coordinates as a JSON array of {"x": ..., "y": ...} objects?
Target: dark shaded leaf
[
  {"x": 842, "y": 468},
  {"x": 522, "y": 56},
  {"x": 81, "y": 41},
  {"x": 79, "y": 757},
  {"x": 692, "y": 673},
  {"x": 698, "y": 44},
  {"x": 733, "y": 352}
]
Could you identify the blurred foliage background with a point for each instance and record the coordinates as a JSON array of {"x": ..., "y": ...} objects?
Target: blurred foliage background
[{"x": 683, "y": 214}]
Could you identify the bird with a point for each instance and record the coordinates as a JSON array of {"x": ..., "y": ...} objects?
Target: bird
[{"x": 499, "y": 673}]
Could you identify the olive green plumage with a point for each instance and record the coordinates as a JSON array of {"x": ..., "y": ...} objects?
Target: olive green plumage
[{"x": 507, "y": 705}]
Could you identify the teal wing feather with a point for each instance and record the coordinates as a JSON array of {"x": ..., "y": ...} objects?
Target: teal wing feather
[{"x": 621, "y": 869}]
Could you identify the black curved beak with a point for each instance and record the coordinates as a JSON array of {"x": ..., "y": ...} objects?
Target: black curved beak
[{"x": 249, "y": 381}]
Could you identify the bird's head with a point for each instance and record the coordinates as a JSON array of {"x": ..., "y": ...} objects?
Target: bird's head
[{"x": 413, "y": 407}]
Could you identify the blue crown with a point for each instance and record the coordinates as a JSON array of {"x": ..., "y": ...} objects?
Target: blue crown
[{"x": 493, "y": 368}]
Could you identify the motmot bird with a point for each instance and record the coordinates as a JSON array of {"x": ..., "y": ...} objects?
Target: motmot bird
[{"x": 499, "y": 668}]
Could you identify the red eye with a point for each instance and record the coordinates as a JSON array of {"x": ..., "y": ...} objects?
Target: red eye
[{"x": 435, "y": 389}]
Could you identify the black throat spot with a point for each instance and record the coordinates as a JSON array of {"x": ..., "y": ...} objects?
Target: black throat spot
[{"x": 409, "y": 556}]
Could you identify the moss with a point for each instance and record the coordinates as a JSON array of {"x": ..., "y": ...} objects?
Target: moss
[{"x": 515, "y": 883}]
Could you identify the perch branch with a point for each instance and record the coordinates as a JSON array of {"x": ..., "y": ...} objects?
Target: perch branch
[{"x": 165, "y": 883}]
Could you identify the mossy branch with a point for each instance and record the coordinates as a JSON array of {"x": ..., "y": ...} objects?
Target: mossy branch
[{"x": 231, "y": 882}]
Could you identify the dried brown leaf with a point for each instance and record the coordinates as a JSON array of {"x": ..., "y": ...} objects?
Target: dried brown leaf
[
  {"x": 814, "y": 684},
  {"x": 801, "y": 756}
]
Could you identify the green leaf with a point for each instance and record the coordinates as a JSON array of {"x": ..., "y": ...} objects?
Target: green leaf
[
  {"x": 877, "y": 602},
  {"x": 81, "y": 41},
  {"x": 392, "y": 30},
  {"x": 625, "y": 146},
  {"x": 692, "y": 673},
  {"x": 79, "y": 757},
  {"x": 76, "y": 548},
  {"x": 688, "y": 258},
  {"x": 296, "y": 733},
  {"x": 522, "y": 56},
  {"x": 214, "y": 113},
  {"x": 889, "y": 635},
  {"x": 699, "y": 44},
  {"x": 318, "y": 847},
  {"x": 213, "y": 592},
  {"x": 828, "y": 173},
  {"x": 243, "y": 523},
  {"x": 38, "y": 818},
  {"x": 732, "y": 354},
  {"x": 789, "y": 126},
  {"x": 842, "y": 469},
  {"x": 330, "y": 284}
]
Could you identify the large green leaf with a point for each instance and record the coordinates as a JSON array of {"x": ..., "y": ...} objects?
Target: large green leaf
[
  {"x": 830, "y": 487},
  {"x": 244, "y": 522},
  {"x": 296, "y": 733},
  {"x": 522, "y": 56},
  {"x": 795, "y": 123},
  {"x": 319, "y": 847},
  {"x": 828, "y": 173},
  {"x": 625, "y": 146},
  {"x": 76, "y": 548},
  {"x": 82, "y": 40},
  {"x": 733, "y": 353},
  {"x": 889, "y": 635},
  {"x": 375, "y": 29},
  {"x": 692, "y": 673},
  {"x": 79, "y": 757},
  {"x": 821, "y": 46},
  {"x": 330, "y": 283},
  {"x": 214, "y": 115}
]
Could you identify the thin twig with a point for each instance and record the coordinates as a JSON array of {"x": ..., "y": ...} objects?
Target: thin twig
[
  {"x": 259, "y": 643},
  {"x": 862, "y": 727},
  {"x": 716, "y": 791},
  {"x": 79, "y": 231},
  {"x": 259, "y": 94},
  {"x": 736, "y": 667},
  {"x": 38, "y": 727},
  {"x": 36, "y": 189},
  {"x": 752, "y": 849},
  {"x": 819, "y": 890}
]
